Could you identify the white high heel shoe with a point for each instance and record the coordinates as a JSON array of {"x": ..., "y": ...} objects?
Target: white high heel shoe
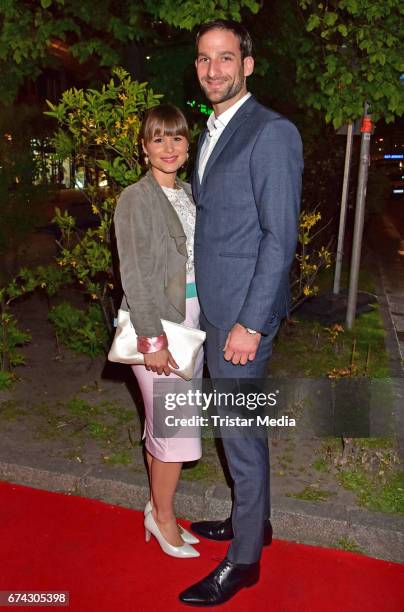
[
  {"x": 187, "y": 536},
  {"x": 182, "y": 552}
]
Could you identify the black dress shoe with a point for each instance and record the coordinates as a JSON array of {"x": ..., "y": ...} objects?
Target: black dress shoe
[
  {"x": 222, "y": 530},
  {"x": 221, "y": 584}
]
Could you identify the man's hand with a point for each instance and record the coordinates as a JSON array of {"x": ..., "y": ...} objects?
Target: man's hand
[
  {"x": 241, "y": 346},
  {"x": 160, "y": 361}
]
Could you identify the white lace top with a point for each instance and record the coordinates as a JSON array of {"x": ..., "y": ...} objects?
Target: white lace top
[{"x": 185, "y": 210}]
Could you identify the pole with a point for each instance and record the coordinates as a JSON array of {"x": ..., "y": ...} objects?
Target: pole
[
  {"x": 344, "y": 204},
  {"x": 366, "y": 129}
]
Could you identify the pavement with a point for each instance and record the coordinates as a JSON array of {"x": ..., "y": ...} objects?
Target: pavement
[{"x": 326, "y": 523}]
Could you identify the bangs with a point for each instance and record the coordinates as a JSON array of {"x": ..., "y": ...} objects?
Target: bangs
[{"x": 164, "y": 120}]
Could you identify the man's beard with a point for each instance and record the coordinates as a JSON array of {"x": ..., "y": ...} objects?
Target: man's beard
[{"x": 232, "y": 90}]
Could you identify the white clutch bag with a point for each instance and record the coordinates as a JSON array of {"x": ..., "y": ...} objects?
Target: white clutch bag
[{"x": 184, "y": 344}]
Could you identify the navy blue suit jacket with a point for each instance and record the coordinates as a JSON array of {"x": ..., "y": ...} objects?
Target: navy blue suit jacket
[{"x": 247, "y": 219}]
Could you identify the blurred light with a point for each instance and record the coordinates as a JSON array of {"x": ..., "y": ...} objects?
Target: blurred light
[
  {"x": 398, "y": 190},
  {"x": 148, "y": 57},
  {"x": 203, "y": 108},
  {"x": 8, "y": 137},
  {"x": 394, "y": 156}
]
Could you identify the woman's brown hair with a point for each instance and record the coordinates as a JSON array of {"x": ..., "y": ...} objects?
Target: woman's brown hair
[{"x": 163, "y": 120}]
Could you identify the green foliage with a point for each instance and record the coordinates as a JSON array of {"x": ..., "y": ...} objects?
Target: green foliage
[
  {"x": 26, "y": 281},
  {"x": 189, "y": 13},
  {"x": 348, "y": 544},
  {"x": 11, "y": 338},
  {"x": 6, "y": 380},
  {"x": 100, "y": 131},
  {"x": 82, "y": 331},
  {"x": 320, "y": 465},
  {"x": 51, "y": 278},
  {"x": 309, "y": 260},
  {"x": 119, "y": 458},
  {"x": 304, "y": 337},
  {"x": 100, "y": 128},
  {"x": 80, "y": 407},
  {"x": 379, "y": 495},
  {"x": 34, "y": 35},
  {"x": 312, "y": 493},
  {"x": 353, "y": 54},
  {"x": 29, "y": 30}
]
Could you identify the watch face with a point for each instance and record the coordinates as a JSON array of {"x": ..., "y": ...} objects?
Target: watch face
[{"x": 251, "y": 331}]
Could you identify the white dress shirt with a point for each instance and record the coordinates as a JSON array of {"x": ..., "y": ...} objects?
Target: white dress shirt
[{"x": 216, "y": 126}]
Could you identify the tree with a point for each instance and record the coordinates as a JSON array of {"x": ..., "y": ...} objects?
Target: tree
[
  {"x": 34, "y": 34},
  {"x": 353, "y": 54}
]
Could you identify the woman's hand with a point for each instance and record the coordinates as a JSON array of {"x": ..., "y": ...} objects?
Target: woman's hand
[{"x": 160, "y": 361}]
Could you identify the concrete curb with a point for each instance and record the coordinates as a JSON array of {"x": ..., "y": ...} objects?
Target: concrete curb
[
  {"x": 396, "y": 365},
  {"x": 321, "y": 523}
]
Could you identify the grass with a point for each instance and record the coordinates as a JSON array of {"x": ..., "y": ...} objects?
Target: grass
[
  {"x": 9, "y": 410},
  {"x": 100, "y": 431},
  {"x": 306, "y": 338},
  {"x": 311, "y": 493},
  {"x": 75, "y": 421},
  {"x": 349, "y": 545},
  {"x": 200, "y": 471},
  {"x": 374, "y": 494},
  {"x": 378, "y": 443},
  {"x": 325, "y": 279},
  {"x": 320, "y": 465},
  {"x": 119, "y": 458},
  {"x": 81, "y": 407},
  {"x": 305, "y": 348}
]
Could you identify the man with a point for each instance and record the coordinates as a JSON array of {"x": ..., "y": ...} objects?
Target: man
[{"x": 247, "y": 186}]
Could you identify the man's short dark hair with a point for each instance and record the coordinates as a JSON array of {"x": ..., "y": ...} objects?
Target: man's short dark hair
[{"x": 232, "y": 26}]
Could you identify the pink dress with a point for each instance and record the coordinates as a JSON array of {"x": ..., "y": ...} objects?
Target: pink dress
[{"x": 174, "y": 448}]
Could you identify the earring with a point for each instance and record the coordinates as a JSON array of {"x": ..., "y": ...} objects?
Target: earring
[
  {"x": 146, "y": 159},
  {"x": 185, "y": 162}
]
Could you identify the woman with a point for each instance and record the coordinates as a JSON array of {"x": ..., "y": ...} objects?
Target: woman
[{"x": 154, "y": 225}]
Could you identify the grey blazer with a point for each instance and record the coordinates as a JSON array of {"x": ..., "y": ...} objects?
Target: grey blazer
[
  {"x": 152, "y": 254},
  {"x": 247, "y": 219}
]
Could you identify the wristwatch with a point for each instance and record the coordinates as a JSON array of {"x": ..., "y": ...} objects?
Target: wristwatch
[{"x": 251, "y": 331}]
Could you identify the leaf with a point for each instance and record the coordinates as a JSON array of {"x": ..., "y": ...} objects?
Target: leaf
[
  {"x": 342, "y": 29},
  {"x": 330, "y": 18},
  {"x": 312, "y": 23}
]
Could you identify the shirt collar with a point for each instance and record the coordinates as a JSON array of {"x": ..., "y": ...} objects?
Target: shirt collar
[{"x": 219, "y": 123}]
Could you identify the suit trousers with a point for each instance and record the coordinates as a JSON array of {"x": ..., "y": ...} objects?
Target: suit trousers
[{"x": 247, "y": 456}]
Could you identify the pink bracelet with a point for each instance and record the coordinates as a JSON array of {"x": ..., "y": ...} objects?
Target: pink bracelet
[{"x": 152, "y": 345}]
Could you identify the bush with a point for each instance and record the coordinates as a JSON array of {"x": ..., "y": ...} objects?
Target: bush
[
  {"x": 83, "y": 331},
  {"x": 99, "y": 131}
]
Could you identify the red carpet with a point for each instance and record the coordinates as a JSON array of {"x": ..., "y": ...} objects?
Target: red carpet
[{"x": 96, "y": 551}]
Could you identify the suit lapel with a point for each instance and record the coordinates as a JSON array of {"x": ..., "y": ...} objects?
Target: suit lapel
[
  {"x": 196, "y": 183},
  {"x": 241, "y": 115}
]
